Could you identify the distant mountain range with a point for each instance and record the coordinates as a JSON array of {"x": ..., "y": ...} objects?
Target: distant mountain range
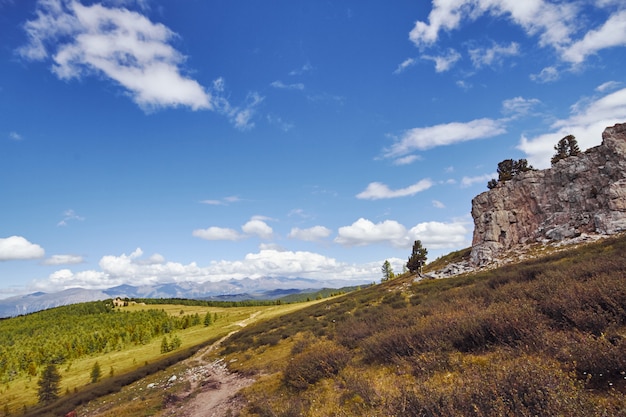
[{"x": 268, "y": 288}]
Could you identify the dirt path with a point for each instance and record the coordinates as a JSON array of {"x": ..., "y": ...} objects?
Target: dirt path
[{"x": 210, "y": 388}]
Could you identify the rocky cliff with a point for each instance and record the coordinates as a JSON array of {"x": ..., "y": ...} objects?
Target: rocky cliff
[{"x": 583, "y": 194}]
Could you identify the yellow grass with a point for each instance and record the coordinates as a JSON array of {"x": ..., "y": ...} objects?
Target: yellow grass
[{"x": 76, "y": 374}]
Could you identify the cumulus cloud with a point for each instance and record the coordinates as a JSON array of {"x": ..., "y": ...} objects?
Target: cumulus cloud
[
  {"x": 423, "y": 138},
  {"x": 63, "y": 260},
  {"x": 311, "y": 234},
  {"x": 18, "y": 247},
  {"x": 435, "y": 235},
  {"x": 134, "y": 269},
  {"x": 377, "y": 190},
  {"x": 365, "y": 232},
  {"x": 586, "y": 122},
  {"x": 254, "y": 227},
  {"x": 117, "y": 43},
  {"x": 258, "y": 228}
]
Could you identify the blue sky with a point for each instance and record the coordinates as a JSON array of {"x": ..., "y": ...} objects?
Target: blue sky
[{"x": 148, "y": 141}]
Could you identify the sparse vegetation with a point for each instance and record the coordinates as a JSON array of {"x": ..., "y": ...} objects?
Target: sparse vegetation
[
  {"x": 543, "y": 337},
  {"x": 508, "y": 169},
  {"x": 568, "y": 146}
]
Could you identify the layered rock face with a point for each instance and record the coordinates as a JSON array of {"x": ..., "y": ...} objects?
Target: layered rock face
[{"x": 579, "y": 194}]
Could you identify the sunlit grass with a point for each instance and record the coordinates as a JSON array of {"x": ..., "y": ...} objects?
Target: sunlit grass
[{"x": 76, "y": 374}]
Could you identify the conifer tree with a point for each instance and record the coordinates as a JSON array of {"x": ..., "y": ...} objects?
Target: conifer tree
[
  {"x": 49, "y": 384},
  {"x": 96, "y": 373},
  {"x": 568, "y": 146},
  {"x": 387, "y": 271},
  {"x": 417, "y": 258},
  {"x": 208, "y": 319}
]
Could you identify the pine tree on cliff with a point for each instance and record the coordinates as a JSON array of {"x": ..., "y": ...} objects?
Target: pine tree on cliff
[
  {"x": 568, "y": 146},
  {"x": 508, "y": 169}
]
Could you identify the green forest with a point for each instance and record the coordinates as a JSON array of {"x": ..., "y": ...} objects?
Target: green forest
[{"x": 62, "y": 334}]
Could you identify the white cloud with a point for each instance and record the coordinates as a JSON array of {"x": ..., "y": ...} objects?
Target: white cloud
[
  {"x": 546, "y": 75},
  {"x": 409, "y": 62},
  {"x": 483, "y": 179},
  {"x": 607, "y": 86},
  {"x": 586, "y": 122},
  {"x": 364, "y": 232},
  {"x": 17, "y": 247},
  {"x": 256, "y": 226},
  {"x": 63, "y": 260},
  {"x": 283, "y": 86},
  {"x": 482, "y": 57},
  {"x": 311, "y": 234},
  {"x": 132, "y": 269},
  {"x": 611, "y": 34},
  {"x": 240, "y": 116},
  {"x": 406, "y": 160},
  {"x": 423, "y": 138},
  {"x": 304, "y": 69},
  {"x": 259, "y": 228},
  {"x": 15, "y": 136},
  {"x": 120, "y": 44},
  {"x": 222, "y": 202},
  {"x": 377, "y": 190},
  {"x": 438, "y": 204},
  {"x": 435, "y": 235},
  {"x": 444, "y": 62},
  {"x": 552, "y": 22},
  {"x": 217, "y": 233},
  {"x": 70, "y": 215},
  {"x": 556, "y": 24},
  {"x": 519, "y": 105}
]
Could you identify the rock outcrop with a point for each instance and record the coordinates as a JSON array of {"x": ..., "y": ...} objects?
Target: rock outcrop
[{"x": 583, "y": 194}]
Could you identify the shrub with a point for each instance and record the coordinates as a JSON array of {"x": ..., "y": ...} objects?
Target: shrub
[
  {"x": 322, "y": 360},
  {"x": 526, "y": 386}
]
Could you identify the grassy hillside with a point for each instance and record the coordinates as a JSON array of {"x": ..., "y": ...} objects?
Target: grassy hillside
[
  {"x": 126, "y": 342},
  {"x": 545, "y": 337}
]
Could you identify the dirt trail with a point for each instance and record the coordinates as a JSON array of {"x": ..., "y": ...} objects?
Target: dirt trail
[{"x": 211, "y": 389}]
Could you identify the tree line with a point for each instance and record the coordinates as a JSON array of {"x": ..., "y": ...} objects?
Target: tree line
[{"x": 29, "y": 343}]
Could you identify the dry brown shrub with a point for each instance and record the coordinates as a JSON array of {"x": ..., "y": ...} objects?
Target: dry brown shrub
[{"x": 321, "y": 360}]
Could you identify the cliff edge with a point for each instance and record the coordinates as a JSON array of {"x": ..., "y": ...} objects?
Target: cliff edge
[{"x": 583, "y": 194}]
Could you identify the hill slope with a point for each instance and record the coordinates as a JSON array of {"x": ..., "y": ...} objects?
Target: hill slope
[{"x": 544, "y": 337}]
